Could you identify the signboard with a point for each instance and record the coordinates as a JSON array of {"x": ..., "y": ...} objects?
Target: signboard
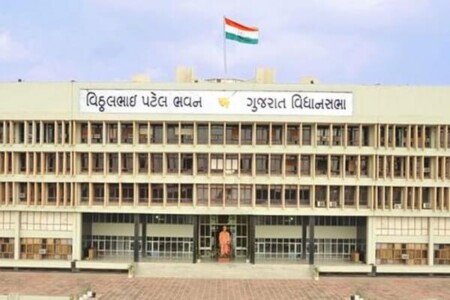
[{"x": 217, "y": 102}]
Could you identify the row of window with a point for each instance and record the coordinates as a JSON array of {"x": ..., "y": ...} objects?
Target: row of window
[
  {"x": 224, "y": 133},
  {"x": 375, "y": 166},
  {"x": 230, "y": 195}
]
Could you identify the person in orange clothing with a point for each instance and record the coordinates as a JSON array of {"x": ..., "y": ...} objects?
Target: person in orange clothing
[{"x": 225, "y": 242}]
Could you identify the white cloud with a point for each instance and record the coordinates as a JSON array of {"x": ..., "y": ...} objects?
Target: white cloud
[{"x": 11, "y": 50}]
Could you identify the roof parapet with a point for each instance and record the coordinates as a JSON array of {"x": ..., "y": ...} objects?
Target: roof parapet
[
  {"x": 265, "y": 75},
  {"x": 140, "y": 78},
  {"x": 309, "y": 80},
  {"x": 185, "y": 75}
]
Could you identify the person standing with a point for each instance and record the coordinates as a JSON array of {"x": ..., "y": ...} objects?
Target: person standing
[{"x": 225, "y": 242}]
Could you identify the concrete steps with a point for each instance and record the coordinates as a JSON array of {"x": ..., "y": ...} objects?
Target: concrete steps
[{"x": 222, "y": 271}]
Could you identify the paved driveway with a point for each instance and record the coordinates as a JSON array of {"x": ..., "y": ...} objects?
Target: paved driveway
[{"x": 110, "y": 286}]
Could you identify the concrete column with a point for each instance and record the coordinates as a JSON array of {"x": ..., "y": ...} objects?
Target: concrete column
[
  {"x": 136, "y": 238},
  {"x": 144, "y": 236},
  {"x": 16, "y": 216},
  {"x": 195, "y": 234},
  {"x": 312, "y": 221},
  {"x": 431, "y": 225},
  {"x": 77, "y": 236},
  {"x": 251, "y": 239},
  {"x": 304, "y": 231},
  {"x": 370, "y": 240}
]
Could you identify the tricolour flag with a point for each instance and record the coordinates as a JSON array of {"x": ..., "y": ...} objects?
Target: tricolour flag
[{"x": 241, "y": 33}]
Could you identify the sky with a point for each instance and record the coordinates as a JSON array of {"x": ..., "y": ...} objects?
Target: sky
[{"x": 388, "y": 42}]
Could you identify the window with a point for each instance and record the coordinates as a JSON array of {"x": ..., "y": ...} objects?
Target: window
[
  {"x": 292, "y": 134},
  {"x": 127, "y": 162},
  {"x": 156, "y": 163},
  {"x": 246, "y": 164},
  {"x": 275, "y": 164},
  {"x": 83, "y": 133},
  {"x": 202, "y": 163},
  {"x": 217, "y": 134},
  {"x": 172, "y": 194},
  {"x": 262, "y": 164},
  {"x": 305, "y": 165},
  {"x": 156, "y": 133},
  {"x": 231, "y": 194},
  {"x": 216, "y": 163},
  {"x": 172, "y": 133},
  {"x": 305, "y": 195},
  {"x": 275, "y": 195},
  {"x": 321, "y": 196},
  {"x": 186, "y": 194},
  {"x": 112, "y": 133},
  {"x": 186, "y": 163},
  {"x": 232, "y": 134},
  {"x": 335, "y": 196},
  {"x": 97, "y": 162},
  {"x": 290, "y": 195},
  {"x": 321, "y": 165},
  {"x": 246, "y": 194},
  {"x": 262, "y": 134},
  {"x": 143, "y": 163},
  {"x": 172, "y": 162},
  {"x": 401, "y": 135},
  {"x": 277, "y": 134},
  {"x": 262, "y": 195},
  {"x": 351, "y": 165},
  {"x": 99, "y": 193},
  {"x": 187, "y": 134},
  {"x": 84, "y": 162},
  {"x": 157, "y": 193},
  {"x": 143, "y": 193},
  {"x": 363, "y": 196},
  {"x": 231, "y": 164},
  {"x": 96, "y": 133},
  {"x": 246, "y": 134},
  {"x": 49, "y": 133},
  {"x": 202, "y": 194},
  {"x": 126, "y": 133},
  {"x": 202, "y": 134},
  {"x": 143, "y": 133},
  {"x": 338, "y": 135},
  {"x": 216, "y": 194},
  {"x": 306, "y": 135},
  {"x": 113, "y": 163},
  {"x": 113, "y": 192},
  {"x": 84, "y": 192},
  {"x": 353, "y": 136},
  {"x": 291, "y": 164},
  {"x": 364, "y": 165},
  {"x": 127, "y": 193},
  {"x": 323, "y": 135},
  {"x": 350, "y": 196},
  {"x": 336, "y": 165}
]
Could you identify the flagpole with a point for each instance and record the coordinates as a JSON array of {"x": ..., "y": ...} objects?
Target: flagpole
[{"x": 224, "y": 47}]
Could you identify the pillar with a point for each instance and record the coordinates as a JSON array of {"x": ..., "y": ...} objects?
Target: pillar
[
  {"x": 251, "y": 239},
  {"x": 195, "y": 234},
  {"x": 304, "y": 231},
  {"x": 144, "y": 236},
  {"x": 431, "y": 241},
  {"x": 136, "y": 238},
  {"x": 312, "y": 221},
  {"x": 370, "y": 241},
  {"x": 16, "y": 234},
  {"x": 77, "y": 236}
]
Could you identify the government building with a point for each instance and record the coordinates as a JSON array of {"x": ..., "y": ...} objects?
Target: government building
[{"x": 346, "y": 177}]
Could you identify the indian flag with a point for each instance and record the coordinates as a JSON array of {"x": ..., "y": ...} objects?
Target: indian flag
[{"x": 241, "y": 33}]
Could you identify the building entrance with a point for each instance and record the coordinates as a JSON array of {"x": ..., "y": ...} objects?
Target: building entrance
[{"x": 210, "y": 227}]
